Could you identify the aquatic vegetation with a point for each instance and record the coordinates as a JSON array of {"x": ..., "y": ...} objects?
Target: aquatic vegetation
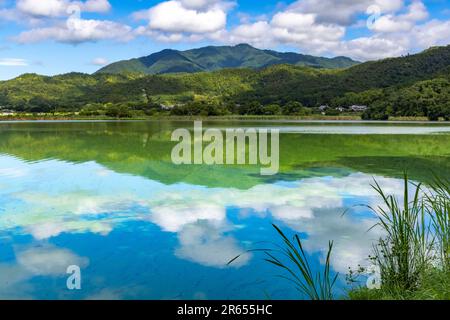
[
  {"x": 292, "y": 259},
  {"x": 413, "y": 259},
  {"x": 438, "y": 207},
  {"x": 416, "y": 229},
  {"x": 403, "y": 255},
  {"x": 434, "y": 285},
  {"x": 318, "y": 286}
]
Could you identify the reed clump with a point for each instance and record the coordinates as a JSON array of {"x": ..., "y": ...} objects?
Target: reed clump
[{"x": 413, "y": 257}]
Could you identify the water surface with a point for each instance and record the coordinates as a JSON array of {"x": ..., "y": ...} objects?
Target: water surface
[{"x": 106, "y": 196}]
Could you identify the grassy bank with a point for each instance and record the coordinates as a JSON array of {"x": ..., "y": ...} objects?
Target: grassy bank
[{"x": 434, "y": 284}]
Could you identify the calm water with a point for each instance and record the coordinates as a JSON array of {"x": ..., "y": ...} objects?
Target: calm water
[{"x": 105, "y": 196}]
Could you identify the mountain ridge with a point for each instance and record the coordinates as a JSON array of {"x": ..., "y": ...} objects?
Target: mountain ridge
[
  {"x": 213, "y": 58},
  {"x": 412, "y": 85}
]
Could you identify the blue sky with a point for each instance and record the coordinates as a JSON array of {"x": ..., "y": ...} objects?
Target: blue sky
[{"x": 50, "y": 37}]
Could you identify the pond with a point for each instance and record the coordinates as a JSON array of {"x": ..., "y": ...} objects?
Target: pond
[{"x": 105, "y": 196}]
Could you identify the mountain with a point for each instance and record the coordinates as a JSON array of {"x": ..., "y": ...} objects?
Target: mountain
[
  {"x": 217, "y": 58},
  {"x": 410, "y": 85}
]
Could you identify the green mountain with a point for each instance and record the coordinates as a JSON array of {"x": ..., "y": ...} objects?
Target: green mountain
[
  {"x": 217, "y": 58},
  {"x": 414, "y": 85}
]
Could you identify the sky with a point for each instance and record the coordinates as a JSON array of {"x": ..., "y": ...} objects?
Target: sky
[{"x": 58, "y": 36}]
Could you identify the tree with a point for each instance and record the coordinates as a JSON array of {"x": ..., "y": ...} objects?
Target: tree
[
  {"x": 293, "y": 108},
  {"x": 118, "y": 111},
  {"x": 39, "y": 104},
  {"x": 271, "y": 110}
]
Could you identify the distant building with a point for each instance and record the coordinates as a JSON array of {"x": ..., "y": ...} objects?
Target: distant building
[
  {"x": 356, "y": 108},
  {"x": 166, "y": 107},
  {"x": 340, "y": 109},
  {"x": 323, "y": 108}
]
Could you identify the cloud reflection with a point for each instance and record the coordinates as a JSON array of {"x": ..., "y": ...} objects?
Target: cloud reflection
[{"x": 85, "y": 201}]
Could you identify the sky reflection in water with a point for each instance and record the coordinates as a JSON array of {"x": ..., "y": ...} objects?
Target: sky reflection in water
[
  {"x": 105, "y": 196},
  {"x": 139, "y": 238}
]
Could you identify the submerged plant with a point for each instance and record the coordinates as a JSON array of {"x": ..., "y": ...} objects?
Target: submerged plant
[{"x": 406, "y": 251}]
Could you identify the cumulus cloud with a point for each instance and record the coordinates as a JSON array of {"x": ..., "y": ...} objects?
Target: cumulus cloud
[
  {"x": 58, "y": 8},
  {"x": 77, "y": 31},
  {"x": 318, "y": 27},
  {"x": 403, "y": 22},
  {"x": 343, "y": 12},
  {"x": 311, "y": 26},
  {"x": 184, "y": 20},
  {"x": 60, "y": 20},
  {"x": 289, "y": 28},
  {"x": 166, "y": 17},
  {"x": 396, "y": 35}
]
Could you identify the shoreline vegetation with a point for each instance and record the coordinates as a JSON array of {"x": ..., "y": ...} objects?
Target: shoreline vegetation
[
  {"x": 75, "y": 117},
  {"x": 411, "y": 261}
]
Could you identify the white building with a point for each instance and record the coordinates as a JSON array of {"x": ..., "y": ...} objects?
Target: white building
[{"x": 356, "y": 108}]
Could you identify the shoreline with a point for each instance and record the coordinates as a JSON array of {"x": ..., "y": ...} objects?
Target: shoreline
[{"x": 287, "y": 119}]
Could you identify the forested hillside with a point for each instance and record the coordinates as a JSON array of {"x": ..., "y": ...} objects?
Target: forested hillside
[
  {"x": 415, "y": 85},
  {"x": 218, "y": 58}
]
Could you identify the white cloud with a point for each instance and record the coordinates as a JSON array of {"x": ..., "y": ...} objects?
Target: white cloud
[
  {"x": 96, "y": 6},
  {"x": 199, "y": 4},
  {"x": 291, "y": 28},
  {"x": 42, "y": 8},
  {"x": 432, "y": 33},
  {"x": 253, "y": 33},
  {"x": 12, "y": 62},
  {"x": 58, "y": 8},
  {"x": 403, "y": 22},
  {"x": 343, "y": 12},
  {"x": 313, "y": 28},
  {"x": 184, "y": 20},
  {"x": 371, "y": 48},
  {"x": 100, "y": 62},
  {"x": 77, "y": 31},
  {"x": 171, "y": 16}
]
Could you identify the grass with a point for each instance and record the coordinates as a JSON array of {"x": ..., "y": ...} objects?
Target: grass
[
  {"x": 438, "y": 207},
  {"x": 414, "y": 257},
  {"x": 291, "y": 259},
  {"x": 406, "y": 251},
  {"x": 434, "y": 285}
]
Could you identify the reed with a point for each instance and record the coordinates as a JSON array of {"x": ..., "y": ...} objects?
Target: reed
[
  {"x": 291, "y": 258},
  {"x": 406, "y": 251},
  {"x": 438, "y": 208}
]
